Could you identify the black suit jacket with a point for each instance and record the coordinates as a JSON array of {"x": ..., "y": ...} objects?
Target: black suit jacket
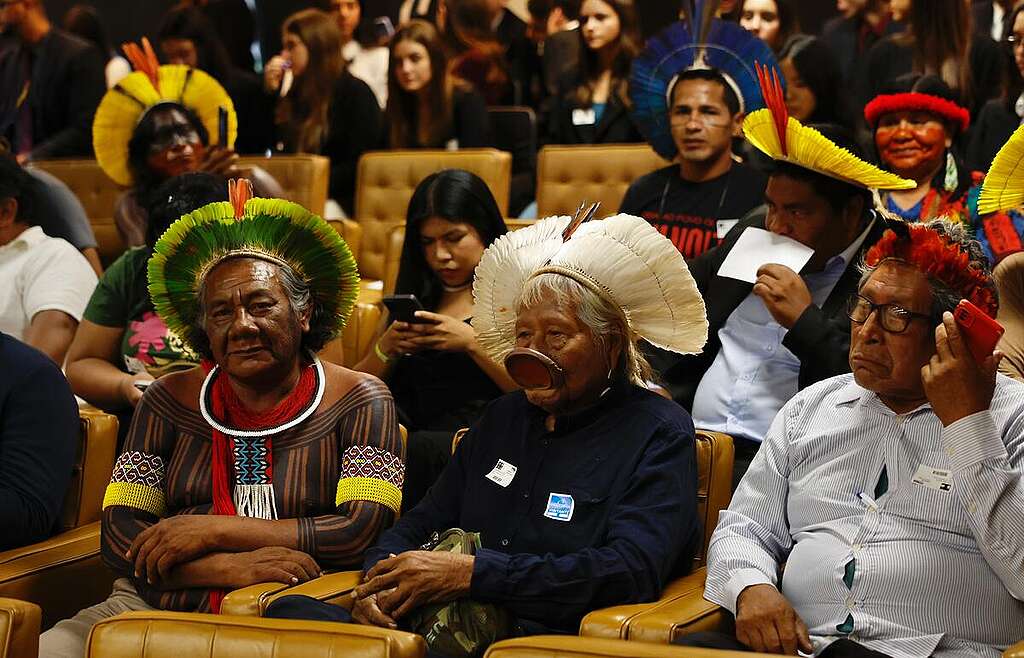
[
  {"x": 67, "y": 84},
  {"x": 820, "y": 339},
  {"x": 615, "y": 126}
]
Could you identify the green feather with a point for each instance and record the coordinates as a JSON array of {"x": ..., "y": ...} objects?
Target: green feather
[{"x": 280, "y": 229}]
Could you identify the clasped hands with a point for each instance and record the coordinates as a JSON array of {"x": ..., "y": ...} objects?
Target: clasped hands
[{"x": 399, "y": 584}]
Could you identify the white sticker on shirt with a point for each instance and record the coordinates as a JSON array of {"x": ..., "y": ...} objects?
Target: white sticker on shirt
[
  {"x": 723, "y": 226},
  {"x": 938, "y": 479},
  {"x": 584, "y": 116},
  {"x": 502, "y": 473},
  {"x": 560, "y": 507}
]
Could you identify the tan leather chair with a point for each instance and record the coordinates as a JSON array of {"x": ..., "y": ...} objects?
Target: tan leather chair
[
  {"x": 715, "y": 455},
  {"x": 385, "y": 181},
  {"x": 177, "y": 634},
  {"x": 19, "y": 629},
  {"x": 41, "y": 572},
  {"x": 356, "y": 340},
  {"x": 567, "y": 646},
  {"x": 304, "y": 179},
  {"x": 568, "y": 175}
]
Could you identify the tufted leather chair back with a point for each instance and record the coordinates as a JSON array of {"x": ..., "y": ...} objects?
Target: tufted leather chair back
[
  {"x": 95, "y": 459},
  {"x": 304, "y": 179},
  {"x": 715, "y": 455},
  {"x": 568, "y": 175},
  {"x": 385, "y": 182},
  {"x": 175, "y": 634}
]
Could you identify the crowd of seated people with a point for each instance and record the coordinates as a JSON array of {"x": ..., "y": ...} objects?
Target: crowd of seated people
[{"x": 516, "y": 445}]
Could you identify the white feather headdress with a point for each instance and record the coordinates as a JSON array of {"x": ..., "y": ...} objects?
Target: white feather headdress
[{"x": 622, "y": 258}]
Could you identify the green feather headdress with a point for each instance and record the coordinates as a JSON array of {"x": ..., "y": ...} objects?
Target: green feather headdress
[{"x": 272, "y": 229}]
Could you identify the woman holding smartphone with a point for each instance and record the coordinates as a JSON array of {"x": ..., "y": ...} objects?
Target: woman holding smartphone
[{"x": 440, "y": 378}]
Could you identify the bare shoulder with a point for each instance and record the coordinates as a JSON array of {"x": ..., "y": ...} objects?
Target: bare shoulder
[
  {"x": 184, "y": 386},
  {"x": 341, "y": 381}
]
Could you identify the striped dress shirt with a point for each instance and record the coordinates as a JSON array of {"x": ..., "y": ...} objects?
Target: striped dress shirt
[{"x": 935, "y": 565}]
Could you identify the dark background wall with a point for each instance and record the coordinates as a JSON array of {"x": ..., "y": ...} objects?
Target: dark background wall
[{"x": 131, "y": 19}]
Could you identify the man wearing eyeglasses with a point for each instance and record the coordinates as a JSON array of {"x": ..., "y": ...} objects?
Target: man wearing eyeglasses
[
  {"x": 52, "y": 83},
  {"x": 893, "y": 495}
]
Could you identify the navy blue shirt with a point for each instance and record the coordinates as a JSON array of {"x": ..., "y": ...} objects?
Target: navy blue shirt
[
  {"x": 602, "y": 511},
  {"x": 38, "y": 439}
]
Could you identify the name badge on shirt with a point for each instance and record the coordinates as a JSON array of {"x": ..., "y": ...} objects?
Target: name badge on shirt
[
  {"x": 502, "y": 473},
  {"x": 938, "y": 479},
  {"x": 724, "y": 226},
  {"x": 560, "y": 507},
  {"x": 584, "y": 116}
]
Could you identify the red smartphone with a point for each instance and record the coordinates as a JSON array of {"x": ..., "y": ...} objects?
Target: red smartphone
[{"x": 980, "y": 332}]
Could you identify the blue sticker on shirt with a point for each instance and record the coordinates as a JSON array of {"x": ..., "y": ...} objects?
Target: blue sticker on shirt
[{"x": 560, "y": 507}]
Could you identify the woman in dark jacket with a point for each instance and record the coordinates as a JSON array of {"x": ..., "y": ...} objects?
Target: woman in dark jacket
[
  {"x": 593, "y": 106},
  {"x": 322, "y": 108},
  {"x": 1001, "y": 116},
  {"x": 428, "y": 107}
]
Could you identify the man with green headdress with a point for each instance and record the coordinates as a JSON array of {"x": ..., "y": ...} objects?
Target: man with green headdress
[{"x": 263, "y": 464}]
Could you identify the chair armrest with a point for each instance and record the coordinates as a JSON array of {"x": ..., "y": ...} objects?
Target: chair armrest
[
  {"x": 682, "y": 615},
  {"x": 19, "y": 628},
  {"x": 252, "y": 601},
  {"x": 41, "y": 572},
  {"x": 680, "y": 610},
  {"x": 1015, "y": 651},
  {"x": 333, "y": 588}
]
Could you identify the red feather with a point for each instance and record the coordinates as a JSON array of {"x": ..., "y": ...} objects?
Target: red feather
[
  {"x": 239, "y": 191},
  {"x": 775, "y": 101},
  {"x": 143, "y": 60}
]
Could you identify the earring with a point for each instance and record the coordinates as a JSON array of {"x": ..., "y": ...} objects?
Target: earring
[{"x": 952, "y": 175}]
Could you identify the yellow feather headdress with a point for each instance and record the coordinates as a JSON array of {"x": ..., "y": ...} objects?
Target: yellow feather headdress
[
  {"x": 124, "y": 106},
  {"x": 1003, "y": 188},
  {"x": 783, "y": 138},
  {"x": 623, "y": 259}
]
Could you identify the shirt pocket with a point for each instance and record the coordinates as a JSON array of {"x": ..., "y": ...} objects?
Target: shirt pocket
[
  {"x": 933, "y": 502},
  {"x": 574, "y": 518}
]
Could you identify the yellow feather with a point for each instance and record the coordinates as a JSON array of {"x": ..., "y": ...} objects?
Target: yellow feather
[
  {"x": 122, "y": 107},
  {"x": 1003, "y": 188},
  {"x": 810, "y": 149}
]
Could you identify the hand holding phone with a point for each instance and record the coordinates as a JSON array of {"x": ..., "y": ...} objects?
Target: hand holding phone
[
  {"x": 980, "y": 332},
  {"x": 403, "y": 308}
]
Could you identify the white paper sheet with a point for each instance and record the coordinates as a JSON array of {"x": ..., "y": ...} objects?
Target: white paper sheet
[{"x": 757, "y": 247}]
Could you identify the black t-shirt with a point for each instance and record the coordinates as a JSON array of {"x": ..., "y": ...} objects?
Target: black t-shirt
[{"x": 688, "y": 213}]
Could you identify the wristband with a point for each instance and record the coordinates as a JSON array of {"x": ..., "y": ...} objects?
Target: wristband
[{"x": 384, "y": 358}]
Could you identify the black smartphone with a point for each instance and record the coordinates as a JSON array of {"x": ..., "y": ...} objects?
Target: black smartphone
[
  {"x": 403, "y": 307},
  {"x": 222, "y": 127}
]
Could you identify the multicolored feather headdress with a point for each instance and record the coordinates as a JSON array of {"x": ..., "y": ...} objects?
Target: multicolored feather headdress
[
  {"x": 783, "y": 138},
  {"x": 125, "y": 105},
  {"x": 1003, "y": 188},
  {"x": 274, "y": 230},
  {"x": 700, "y": 42},
  {"x": 623, "y": 259}
]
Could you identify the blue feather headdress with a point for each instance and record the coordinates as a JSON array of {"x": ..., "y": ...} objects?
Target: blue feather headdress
[{"x": 700, "y": 41}]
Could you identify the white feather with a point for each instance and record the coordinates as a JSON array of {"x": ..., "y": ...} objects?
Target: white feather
[{"x": 623, "y": 257}]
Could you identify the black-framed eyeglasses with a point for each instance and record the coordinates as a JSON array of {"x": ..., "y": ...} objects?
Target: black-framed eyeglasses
[
  {"x": 894, "y": 318},
  {"x": 1015, "y": 40}
]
